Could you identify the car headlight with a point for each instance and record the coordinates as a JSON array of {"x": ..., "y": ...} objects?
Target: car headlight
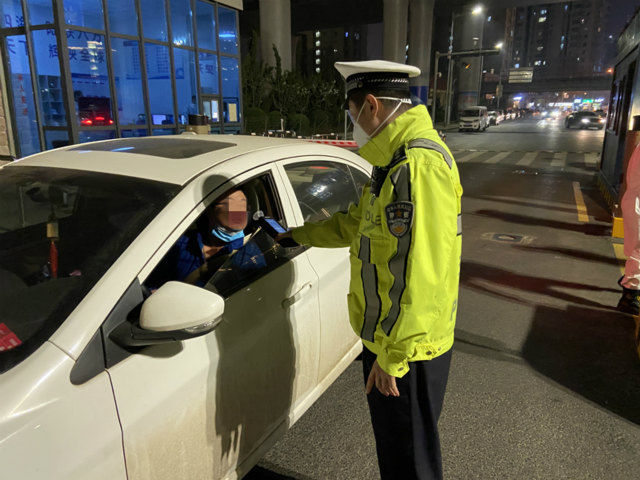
[
  {"x": 585, "y": 120},
  {"x": 601, "y": 120}
]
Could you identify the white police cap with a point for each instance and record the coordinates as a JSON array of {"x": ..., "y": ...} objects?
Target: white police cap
[{"x": 379, "y": 74}]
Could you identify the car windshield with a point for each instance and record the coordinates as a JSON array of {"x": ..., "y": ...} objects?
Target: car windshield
[
  {"x": 586, "y": 114},
  {"x": 471, "y": 113},
  {"x": 60, "y": 230}
]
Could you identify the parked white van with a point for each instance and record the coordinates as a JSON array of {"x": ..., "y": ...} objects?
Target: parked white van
[{"x": 474, "y": 118}]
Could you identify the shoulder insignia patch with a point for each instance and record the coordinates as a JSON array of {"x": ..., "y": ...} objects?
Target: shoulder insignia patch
[{"x": 399, "y": 218}]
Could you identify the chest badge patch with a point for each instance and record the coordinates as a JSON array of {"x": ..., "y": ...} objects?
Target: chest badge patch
[{"x": 399, "y": 218}]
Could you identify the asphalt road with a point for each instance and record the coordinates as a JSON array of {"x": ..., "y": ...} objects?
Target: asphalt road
[
  {"x": 528, "y": 135},
  {"x": 544, "y": 382}
]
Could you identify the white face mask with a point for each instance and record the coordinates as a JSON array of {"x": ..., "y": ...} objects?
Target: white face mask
[{"x": 359, "y": 135}]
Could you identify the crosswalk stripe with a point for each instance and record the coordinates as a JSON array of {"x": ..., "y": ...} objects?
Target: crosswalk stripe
[
  {"x": 559, "y": 159},
  {"x": 498, "y": 157},
  {"x": 528, "y": 159},
  {"x": 472, "y": 156}
]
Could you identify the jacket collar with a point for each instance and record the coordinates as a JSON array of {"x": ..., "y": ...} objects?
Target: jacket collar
[{"x": 414, "y": 123}]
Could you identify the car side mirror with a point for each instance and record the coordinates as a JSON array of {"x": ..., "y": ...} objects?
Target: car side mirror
[{"x": 176, "y": 311}]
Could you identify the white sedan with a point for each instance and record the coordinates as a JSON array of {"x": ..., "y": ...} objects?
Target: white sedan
[{"x": 110, "y": 368}]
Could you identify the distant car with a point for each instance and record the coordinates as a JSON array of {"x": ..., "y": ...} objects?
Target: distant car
[
  {"x": 495, "y": 117},
  {"x": 111, "y": 369},
  {"x": 584, "y": 120},
  {"x": 474, "y": 119}
]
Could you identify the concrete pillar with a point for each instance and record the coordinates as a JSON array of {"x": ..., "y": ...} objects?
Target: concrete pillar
[
  {"x": 469, "y": 30},
  {"x": 420, "y": 34},
  {"x": 275, "y": 29},
  {"x": 394, "y": 38}
]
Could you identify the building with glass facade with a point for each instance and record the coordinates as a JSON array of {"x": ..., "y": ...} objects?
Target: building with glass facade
[{"x": 129, "y": 68}]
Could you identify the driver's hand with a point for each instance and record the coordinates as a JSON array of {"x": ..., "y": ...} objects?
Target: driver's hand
[{"x": 282, "y": 236}]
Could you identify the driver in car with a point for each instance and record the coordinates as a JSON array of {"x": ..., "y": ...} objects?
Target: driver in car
[{"x": 198, "y": 253}]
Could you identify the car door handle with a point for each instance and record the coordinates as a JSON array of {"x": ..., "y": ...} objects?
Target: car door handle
[{"x": 287, "y": 302}]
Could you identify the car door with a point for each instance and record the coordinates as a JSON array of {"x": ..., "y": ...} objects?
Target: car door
[
  {"x": 319, "y": 188},
  {"x": 199, "y": 408}
]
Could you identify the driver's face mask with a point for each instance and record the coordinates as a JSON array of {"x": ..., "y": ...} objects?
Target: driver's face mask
[{"x": 359, "y": 135}]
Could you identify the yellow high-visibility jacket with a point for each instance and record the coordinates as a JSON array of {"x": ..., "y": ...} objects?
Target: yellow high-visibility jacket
[{"x": 405, "y": 239}]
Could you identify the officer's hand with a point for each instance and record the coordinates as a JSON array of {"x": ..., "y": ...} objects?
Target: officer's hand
[{"x": 385, "y": 383}]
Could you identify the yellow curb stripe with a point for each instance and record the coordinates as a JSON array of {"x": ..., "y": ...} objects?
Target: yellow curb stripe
[
  {"x": 618, "y": 249},
  {"x": 582, "y": 208}
]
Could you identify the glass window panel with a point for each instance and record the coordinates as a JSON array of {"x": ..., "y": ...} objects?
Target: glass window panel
[
  {"x": 123, "y": 17},
  {"x": 159, "y": 83},
  {"x": 228, "y": 30},
  {"x": 134, "y": 133},
  {"x": 209, "y": 73},
  {"x": 186, "y": 88},
  {"x": 163, "y": 131},
  {"x": 230, "y": 89},
  {"x": 91, "y": 95},
  {"x": 84, "y": 13},
  {"x": 11, "y": 14},
  {"x": 52, "y": 107},
  {"x": 56, "y": 138},
  {"x": 181, "y": 22},
  {"x": 40, "y": 12},
  {"x": 154, "y": 19},
  {"x": 128, "y": 81},
  {"x": 24, "y": 108},
  {"x": 206, "y": 24},
  {"x": 95, "y": 135}
]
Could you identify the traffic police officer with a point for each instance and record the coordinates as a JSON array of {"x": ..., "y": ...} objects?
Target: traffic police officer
[{"x": 405, "y": 245}]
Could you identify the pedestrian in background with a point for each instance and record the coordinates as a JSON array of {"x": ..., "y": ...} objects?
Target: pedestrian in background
[
  {"x": 405, "y": 245},
  {"x": 630, "y": 282}
]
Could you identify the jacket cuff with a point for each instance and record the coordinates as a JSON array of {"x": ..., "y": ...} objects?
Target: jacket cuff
[
  {"x": 300, "y": 236},
  {"x": 393, "y": 363}
]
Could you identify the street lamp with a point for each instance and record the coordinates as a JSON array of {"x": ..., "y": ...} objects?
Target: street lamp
[
  {"x": 477, "y": 10},
  {"x": 499, "y": 45}
]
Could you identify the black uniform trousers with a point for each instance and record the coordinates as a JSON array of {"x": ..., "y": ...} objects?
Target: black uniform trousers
[{"x": 406, "y": 427}]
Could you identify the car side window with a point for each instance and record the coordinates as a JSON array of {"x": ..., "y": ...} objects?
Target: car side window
[
  {"x": 227, "y": 259},
  {"x": 322, "y": 188},
  {"x": 361, "y": 179}
]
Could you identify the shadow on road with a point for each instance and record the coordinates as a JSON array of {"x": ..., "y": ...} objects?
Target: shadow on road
[
  {"x": 570, "y": 252},
  {"x": 590, "y": 352},
  {"x": 494, "y": 281},
  {"x": 586, "y": 228},
  {"x": 260, "y": 473}
]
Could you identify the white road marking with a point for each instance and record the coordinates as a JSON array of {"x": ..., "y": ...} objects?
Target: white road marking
[
  {"x": 528, "y": 159},
  {"x": 472, "y": 156},
  {"x": 497, "y": 157},
  {"x": 559, "y": 159}
]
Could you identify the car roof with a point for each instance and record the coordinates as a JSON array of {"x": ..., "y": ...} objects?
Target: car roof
[{"x": 172, "y": 158}]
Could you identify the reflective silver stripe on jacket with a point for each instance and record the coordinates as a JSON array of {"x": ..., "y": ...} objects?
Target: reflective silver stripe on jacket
[
  {"x": 398, "y": 265},
  {"x": 459, "y": 224},
  {"x": 373, "y": 304},
  {"x": 431, "y": 145}
]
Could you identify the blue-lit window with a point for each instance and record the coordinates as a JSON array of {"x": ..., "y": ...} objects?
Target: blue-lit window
[
  {"x": 159, "y": 84},
  {"x": 181, "y": 22},
  {"x": 228, "y": 30},
  {"x": 154, "y": 19},
  {"x": 163, "y": 131},
  {"x": 123, "y": 17},
  {"x": 85, "y": 136},
  {"x": 11, "y": 14},
  {"x": 40, "y": 12},
  {"x": 133, "y": 133},
  {"x": 128, "y": 80},
  {"x": 206, "y": 24},
  {"x": 24, "y": 109},
  {"x": 84, "y": 13},
  {"x": 91, "y": 95},
  {"x": 230, "y": 88},
  {"x": 186, "y": 88},
  {"x": 56, "y": 138},
  {"x": 52, "y": 107},
  {"x": 209, "y": 73}
]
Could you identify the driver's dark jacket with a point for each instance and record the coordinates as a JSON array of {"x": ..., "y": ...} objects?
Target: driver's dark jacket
[{"x": 186, "y": 256}]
